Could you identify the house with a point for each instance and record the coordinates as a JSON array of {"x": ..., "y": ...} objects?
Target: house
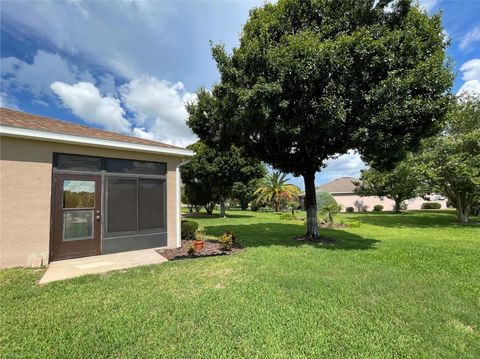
[
  {"x": 343, "y": 188},
  {"x": 71, "y": 191}
]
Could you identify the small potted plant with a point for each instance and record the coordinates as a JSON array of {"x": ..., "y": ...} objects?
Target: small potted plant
[{"x": 199, "y": 239}]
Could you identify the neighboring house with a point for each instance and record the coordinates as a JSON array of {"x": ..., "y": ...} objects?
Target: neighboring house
[
  {"x": 72, "y": 191},
  {"x": 342, "y": 190}
]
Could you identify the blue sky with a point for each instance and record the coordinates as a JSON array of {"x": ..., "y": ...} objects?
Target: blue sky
[{"x": 130, "y": 66}]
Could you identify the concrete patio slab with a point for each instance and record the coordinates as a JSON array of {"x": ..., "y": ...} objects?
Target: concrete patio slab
[{"x": 77, "y": 267}]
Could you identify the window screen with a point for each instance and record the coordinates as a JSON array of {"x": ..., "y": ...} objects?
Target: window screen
[
  {"x": 135, "y": 167},
  {"x": 78, "y": 163},
  {"x": 122, "y": 204},
  {"x": 151, "y": 211}
]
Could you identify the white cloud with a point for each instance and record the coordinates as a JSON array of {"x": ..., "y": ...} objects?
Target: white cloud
[
  {"x": 121, "y": 36},
  {"x": 428, "y": 4},
  {"x": 36, "y": 77},
  {"x": 470, "y": 38},
  {"x": 6, "y": 101},
  {"x": 347, "y": 165},
  {"x": 471, "y": 76},
  {"x": 86, "y": 102},
  {"x": 159, "y": 107},
  {"x": 446, "y": 36},
  {"x": 141, "y": 132}
]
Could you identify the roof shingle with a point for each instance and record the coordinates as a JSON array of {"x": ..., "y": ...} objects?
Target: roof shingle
[
  {"x": 339, "y": 185},
  {"x": 12, "y": 118}
]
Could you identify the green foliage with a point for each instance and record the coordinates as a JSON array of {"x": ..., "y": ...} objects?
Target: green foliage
[
  {"x": 211, "y": 173},
  {"x": 257, "y": 204},
  {"x": 349, "y": 209},
  {"x": 288, "y": 217},
  {"x": 191, "y": 249},
  {"x": 350, "y": 223},
  {"x": 274, "y": 188},
  {"x": 197, "y": 195},
  {"x": 226, "y": 241},
  {"x": 200, "y": 235},
  {"x": 324, "y": 200},
  {"x": 327, "y": 205},
  {"x": 399, "y": 184},
  {"x": 188, "y": 230},
  {"x": 245, "y": 193},
  {"x": 378, "y": 208},
  {"x": 312, "y": 79},
  {"x": 431, "y": 205},
  {"x": 450, "y": 162}
]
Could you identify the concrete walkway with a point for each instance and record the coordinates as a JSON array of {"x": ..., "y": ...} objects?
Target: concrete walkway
[{"x": 70, "y": 268}]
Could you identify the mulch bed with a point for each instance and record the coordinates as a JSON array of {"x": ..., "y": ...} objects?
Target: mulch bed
[{"x": 210, "y": 248}]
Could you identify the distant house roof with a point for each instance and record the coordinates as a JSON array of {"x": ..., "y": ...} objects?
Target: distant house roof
[
  {"x": 20, "y": 124},
  {"x": 339, "y": 185}
]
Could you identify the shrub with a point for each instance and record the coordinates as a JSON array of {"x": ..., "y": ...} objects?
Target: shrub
[
  {"x": 431, "y": 205},
  {"x": 378, "y": 208},
  {"x": 226, "y": 241},
  {"x": 288, "y": 216},
  {"x": 188, "y": 230},
  {"x": 404, "y": 206},
  {"x": 360, "y": 206},
  {"x": 191, "y": 250},
  {"x": 324, "y": 200},
  {"x": 326, "y": 205},
  {"x": 351, "y": 223},
  {"x": 200, "y": 235},
  {"x": 349, "y": 209}
]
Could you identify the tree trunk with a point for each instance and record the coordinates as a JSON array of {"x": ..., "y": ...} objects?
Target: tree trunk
[
  {"x": 311, "y": 206},
  {"x": 463, "y": 210},
  {"x": 275, "y": 206},
  {"x": 244, "y": 205},
  {"x": 209, "y": 207},
  {"x": 222, "y": 208},
  {"x": 397, "y": 205}
]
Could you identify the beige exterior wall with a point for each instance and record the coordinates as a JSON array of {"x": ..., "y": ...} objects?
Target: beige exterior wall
[
  {"x": 348, "y": 200},
  {"x": 25, "y": 195}
]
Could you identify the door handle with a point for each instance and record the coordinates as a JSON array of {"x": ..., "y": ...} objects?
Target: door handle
[{"x": 98, "y": 217}]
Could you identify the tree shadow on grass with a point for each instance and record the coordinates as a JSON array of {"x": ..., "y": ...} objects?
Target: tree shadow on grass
[{"x": 284, "y": 234}]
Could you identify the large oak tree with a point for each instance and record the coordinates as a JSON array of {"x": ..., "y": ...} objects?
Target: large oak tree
[{"x": 312, "y": 79}]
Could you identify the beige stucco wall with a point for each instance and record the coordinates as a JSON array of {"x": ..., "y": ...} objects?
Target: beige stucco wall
[
  {"x": 25, "y": 195},
  {"x": 349, "y": 200}
]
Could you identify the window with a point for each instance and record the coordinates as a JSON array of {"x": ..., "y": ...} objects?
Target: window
[
  {"x": 96, "y": 164},
  {"x": 77, "y": 225},
  {"x": 135, "y": 204},
  {"x": 78, "y": 163},
  {"x": 381, "y": 198},
  {"x": 135, "y": 167},
  {"x": 150, "y": 204},
  {"x": 122, "y": 204},
  {"x": 78, "y": 194}
]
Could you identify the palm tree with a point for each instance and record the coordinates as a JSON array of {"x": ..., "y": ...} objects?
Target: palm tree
[{"x": 273, "y": 187}]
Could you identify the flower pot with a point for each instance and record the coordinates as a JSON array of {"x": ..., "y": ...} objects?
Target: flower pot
[{"x": 198, "y": 245}]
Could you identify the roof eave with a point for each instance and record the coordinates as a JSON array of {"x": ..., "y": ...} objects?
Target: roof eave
[{"x": 90, "y": 141}]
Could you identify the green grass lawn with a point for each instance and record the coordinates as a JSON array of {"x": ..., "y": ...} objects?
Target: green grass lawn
[{"x": 399, "y": 286}]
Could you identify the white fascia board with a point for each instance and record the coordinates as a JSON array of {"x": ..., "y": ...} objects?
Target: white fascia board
[{"x": 89, "y": 141}]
